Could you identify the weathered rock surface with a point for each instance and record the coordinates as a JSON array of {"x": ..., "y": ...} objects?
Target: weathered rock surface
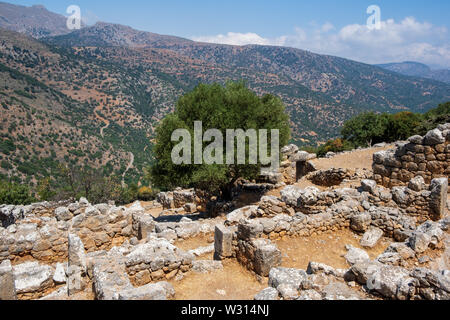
[
  {"x": 223, "y": 241},
  {"x": 294, "y": 277},
  {"x": 7, "y": 286},
  {"x": 355, "y": 255},
  {"x": 239, "y": 214},
  {"x": 154, "y": 291},
  {"x": 267, "y": 294},
  {"x": 371, "y": 237},
  {"x": 32, "y": 277}
]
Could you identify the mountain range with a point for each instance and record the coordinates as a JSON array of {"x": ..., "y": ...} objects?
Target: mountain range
[
  {"x": 416, "y": 69},
  {"x": 95, "y": 95}
]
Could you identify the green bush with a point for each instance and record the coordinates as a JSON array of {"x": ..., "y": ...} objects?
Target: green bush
[
  {"x": 337, "y": 145},
  {"x": 14, "y": 193},
  {"x": 370, "y": 128}
]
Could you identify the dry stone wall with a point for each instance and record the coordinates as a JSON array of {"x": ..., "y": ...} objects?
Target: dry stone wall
[
  {"x": 43, "y": 237},
  {"x": 428, "y": 157},
  {"x": 419, "y": 200}
]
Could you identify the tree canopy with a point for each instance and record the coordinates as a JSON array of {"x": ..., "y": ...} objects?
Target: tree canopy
[{"x": 221, "y": 107}]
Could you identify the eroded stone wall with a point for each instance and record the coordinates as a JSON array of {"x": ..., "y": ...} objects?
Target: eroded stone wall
[{"x": 427, "y": 156}]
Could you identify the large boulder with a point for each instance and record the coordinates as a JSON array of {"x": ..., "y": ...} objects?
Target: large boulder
[
  {"x": 434, "y": 285},
  {"x": 434, "y": 137},
  {"x": 239, "y": 214},
  {"x": 290, "y": 195},
  {"x": 363, "y": 270},
  {"x": 294, "y": 277},
  {"x": 429, "y": 233},
  {"x": 360, "y": 222},
  {"x": 368, "y": 185},
  {"x": 63, "y": 214},
  {"x": 392, "y": 282},
  {"x": 109, "y": 279},
  {"x": 288, "y": 291},
  {"x": 355, "y": 255},
  {"x": 302, "y": 156},
  {"x": 270, "y": 176},
  {"x": 248, "y": 230},
  {"x": 417, "y": 184},
  {"x": 187, "y": 230},
  {"x": 267, "y": 256},
  {"x": 146, "y": 226},
  {"x": 371, "y": 237},
  {"x": 289, "y": 150},
  {"x": 157, "y": 253},
  {"x": 31, "y": 277}
]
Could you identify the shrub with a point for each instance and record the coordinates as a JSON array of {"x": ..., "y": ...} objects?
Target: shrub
[
  {"x": 14, "y": 193},
  {"x": 145, "y": 194}
]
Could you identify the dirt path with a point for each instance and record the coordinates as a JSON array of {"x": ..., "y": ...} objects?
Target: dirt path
[
  {"x": 105, "y": 121},
  {"x": 353, "y": 160},
  {"x": 102, "y": 129},
  {"x": 357, "y": 159},
  {"x": 130, "y": 165}
]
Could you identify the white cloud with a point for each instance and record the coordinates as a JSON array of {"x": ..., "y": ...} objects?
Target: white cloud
[
  {"x": 408, "y": 39},
  {"x": 240, "y": 39}
]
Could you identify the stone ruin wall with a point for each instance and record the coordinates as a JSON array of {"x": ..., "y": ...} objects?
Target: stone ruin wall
[
  {"x": 41, "y": 233},
  {"x": 428, "y": 157},
  {"x": 395, "y": 207}
]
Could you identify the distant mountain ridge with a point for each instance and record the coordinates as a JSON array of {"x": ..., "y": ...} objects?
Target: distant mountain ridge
[
  {"x": 338, "y": 79},
  {"x": 416, "y": 69},
  {"x": 35, "y": 21},
  {"x": 108, "y": 34}
]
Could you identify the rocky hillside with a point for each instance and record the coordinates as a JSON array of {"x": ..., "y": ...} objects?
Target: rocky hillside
[
  {"x": 317, "y": 89},
  {"x": 42, "y": 128},
  {"x": 125, "y": 81},
  {"x": 49, "y": 118}
]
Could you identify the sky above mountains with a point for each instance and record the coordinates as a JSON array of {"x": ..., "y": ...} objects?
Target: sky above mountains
[{"x": 414, "y": 30}]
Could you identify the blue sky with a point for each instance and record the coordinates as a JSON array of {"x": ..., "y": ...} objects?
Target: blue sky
[{"x": 411, "y": 30}]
